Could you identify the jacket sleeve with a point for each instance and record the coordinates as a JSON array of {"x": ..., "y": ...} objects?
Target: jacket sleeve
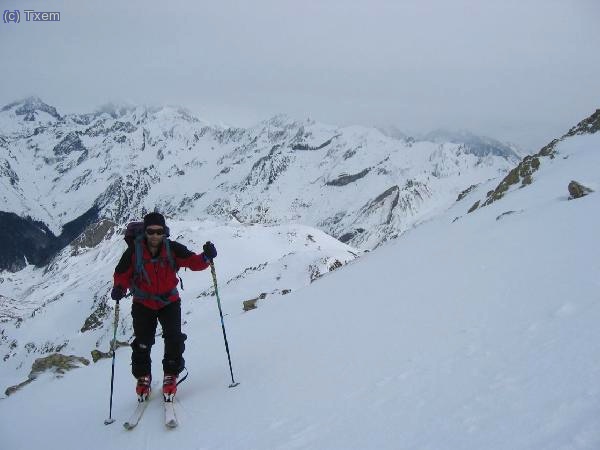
[
  {"x": 187, "y": 258},
  {"x": 124, "y": 270}
]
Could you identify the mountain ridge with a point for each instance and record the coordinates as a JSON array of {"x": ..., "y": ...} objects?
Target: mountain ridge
[{"x": 124, "y": 161}]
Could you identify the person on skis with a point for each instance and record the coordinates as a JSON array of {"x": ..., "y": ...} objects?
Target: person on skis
[{"x": 156, "y": 299}]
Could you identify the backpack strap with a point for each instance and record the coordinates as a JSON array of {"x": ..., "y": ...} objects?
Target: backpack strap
[
  {"x": 170, "y": 255},
  {"x": 140, "y": 270},
  {"x": 172, "y": 261}
]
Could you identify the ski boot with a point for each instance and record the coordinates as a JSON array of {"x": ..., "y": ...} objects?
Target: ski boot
[
  {"x": 142, "y": 389},
  {"x": 169, "y": 387}
]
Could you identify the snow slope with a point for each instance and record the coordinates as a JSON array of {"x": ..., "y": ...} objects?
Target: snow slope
[
  {"x": 476, "y": 333},
  {"x": 66, "y": 306}
]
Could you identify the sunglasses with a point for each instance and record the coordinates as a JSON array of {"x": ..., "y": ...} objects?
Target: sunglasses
[{"x": 150, "y": 232}]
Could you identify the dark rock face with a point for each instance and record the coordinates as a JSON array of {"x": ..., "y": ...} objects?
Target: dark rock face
[
  {"x": 590, "y": 125},
  {"x": 268, "y": 168},
  {"x": 308, "y": 147},
  {"x": 343, "y": 180},
  {"x": 31, "y": 241},
  {"x": 71, "y": 143},
  {"x": 25, "y": 240},
  {"x": 93, "y": 235}
]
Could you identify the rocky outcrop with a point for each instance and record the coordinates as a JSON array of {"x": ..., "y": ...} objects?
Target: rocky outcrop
[
  {"x": 96, "y": 318},
  {"x": 70, "y": 143},
  {"x": 249, "y": 305},
  {"x": 268, "y": 168},
  {"x": 93, "y": 235},
  {"x": 577, "y": 190},
  {"x": 55, "y": 363},
  {"x": 97, "y": 355},
  {"x": 590, "y": 125},
  {"x": 345, "y": 179},
  {"x": 311, "y": 148},
  {"x": 522, "y": 174}
]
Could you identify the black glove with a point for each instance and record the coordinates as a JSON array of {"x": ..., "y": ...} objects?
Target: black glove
[
  {"x": 210, "y": 252},
  {"x": 117, "y": 293}
]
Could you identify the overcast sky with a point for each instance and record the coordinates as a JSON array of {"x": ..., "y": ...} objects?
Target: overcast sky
[{"x": 522, "y": 71}]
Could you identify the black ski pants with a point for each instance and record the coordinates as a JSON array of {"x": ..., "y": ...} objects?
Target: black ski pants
[{"x": 144, "y": 328}]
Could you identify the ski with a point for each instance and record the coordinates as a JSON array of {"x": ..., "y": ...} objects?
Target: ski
[
  {"x": 137, "y": 415},
  {"x": 170, "y": 417}
]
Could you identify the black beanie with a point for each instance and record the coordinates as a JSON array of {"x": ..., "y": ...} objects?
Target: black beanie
[{"x": 154, "y": 218}]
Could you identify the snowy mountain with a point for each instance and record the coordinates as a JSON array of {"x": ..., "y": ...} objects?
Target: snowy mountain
[
  {"x": 473, "y": 330},
  {"x": 478, "y": 145},
  {"x": 353, "y": 183}
]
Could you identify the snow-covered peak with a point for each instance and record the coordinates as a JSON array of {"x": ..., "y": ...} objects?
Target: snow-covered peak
[
  {"x": 476, "y": 144},
  {"x": 30, "y": 108},
  {"x": 27, "y": 115},
  {"x": 352, "y": 182}
]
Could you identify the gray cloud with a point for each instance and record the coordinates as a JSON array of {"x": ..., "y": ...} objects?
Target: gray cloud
[{"x": 522, "y": 71}]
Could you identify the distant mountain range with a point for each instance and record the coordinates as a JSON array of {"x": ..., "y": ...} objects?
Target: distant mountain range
[{"x": 62, "y": 173}]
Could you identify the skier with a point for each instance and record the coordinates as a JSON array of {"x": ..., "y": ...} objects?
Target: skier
[{"x": 155, "y": 298}]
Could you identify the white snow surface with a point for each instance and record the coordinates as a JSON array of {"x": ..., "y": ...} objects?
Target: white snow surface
[{"x": 479, "y": 333}]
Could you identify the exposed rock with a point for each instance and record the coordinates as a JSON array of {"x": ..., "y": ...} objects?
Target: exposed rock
[
  {"x": 249, "y": 305},
  {"x": 590, "y": 125},
  {"x": 391, "y": 196},
  {"x": 347, "y": 237},
  {"x": 96, "y": 318},
  {"x": 11, "y": 390},
  {"x": 466, "y": 192},
  {"x": 508, "y": 213},
  {"x": 345, "y": 179},
  {"x": 522, "y": 173},
  {"x": 578, "y": 190},
  {"x": 530, "y": 164},
  {"x": 268, "y": 168},
  {"x": 474, "y": 207},
  {"x": 93, "y": 235},
  {"x": 56, "y": 363},
  {"x": 335, "y": 265},
  {"x": 308, "y": 147},
  {"x": 97, "y": 355},
  {"x": 71, "y": 143}
]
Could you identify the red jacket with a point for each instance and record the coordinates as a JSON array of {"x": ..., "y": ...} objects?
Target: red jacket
[{"x": 162, "y": 278}]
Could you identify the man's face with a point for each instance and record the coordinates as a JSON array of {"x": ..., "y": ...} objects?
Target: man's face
[{"x": 155, "y": 234}]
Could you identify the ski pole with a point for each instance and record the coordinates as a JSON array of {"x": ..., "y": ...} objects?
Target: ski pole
[
  {"x": 214, "y": 277},
  {"x": 112, "y": 377}
]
